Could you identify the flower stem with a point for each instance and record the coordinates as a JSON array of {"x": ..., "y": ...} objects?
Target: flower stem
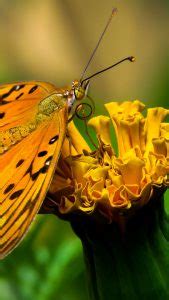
[{"x": 132, "y": 265}]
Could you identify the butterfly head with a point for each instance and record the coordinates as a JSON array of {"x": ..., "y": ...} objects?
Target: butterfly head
[{"x": 78, "y": 91}]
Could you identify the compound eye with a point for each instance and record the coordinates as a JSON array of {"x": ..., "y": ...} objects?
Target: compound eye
[{"x": 79, "y": 93}]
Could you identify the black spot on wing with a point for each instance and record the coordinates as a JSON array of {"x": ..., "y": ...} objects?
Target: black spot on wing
[
  {"x": 42, "y": 153},
  {"x": 14, "y": 88},
  {"x": 2, "y": 114},
  {"x": 54, "y": 139},
  {"x": 16, "y": 194},
  {"x": 19, "y": 87},
  {"x": 19, "y": 96},
  {"x": 34, "y": 176},
  {"x": 48, "y": 161},
  {"x": 9, "y": 188},
  {"x": 34, "y": 88},
  {"x": 45, "y": 168},
  {"x": 3, "y": 102},
  {"x": 42, "y": 170},
  {"x": 29, "y": 170},
  {"x": 19, "y": 163}
]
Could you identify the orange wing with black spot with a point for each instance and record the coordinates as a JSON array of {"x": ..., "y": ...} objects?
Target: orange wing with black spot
[{"x": 32, "y": 130}]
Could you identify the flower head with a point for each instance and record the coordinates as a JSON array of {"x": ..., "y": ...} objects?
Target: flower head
[{"x": 114, "y": 184}]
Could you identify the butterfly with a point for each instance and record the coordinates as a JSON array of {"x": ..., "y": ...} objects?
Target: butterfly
[{"x": 33, "y": 122}]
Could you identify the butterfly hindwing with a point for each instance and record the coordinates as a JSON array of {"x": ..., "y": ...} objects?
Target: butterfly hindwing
[{"x": 26, "y": 167}]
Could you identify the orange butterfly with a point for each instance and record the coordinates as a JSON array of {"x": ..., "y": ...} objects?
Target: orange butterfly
[{"x": 33, "y": 122}]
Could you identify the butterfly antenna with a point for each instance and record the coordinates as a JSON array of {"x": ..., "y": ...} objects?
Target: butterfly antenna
[
  {"x": 130, "y": 58},
  {"x": 114, "y": 11}
]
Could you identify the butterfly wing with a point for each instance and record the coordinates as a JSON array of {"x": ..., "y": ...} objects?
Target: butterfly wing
[{"x": 28, "y": 157}]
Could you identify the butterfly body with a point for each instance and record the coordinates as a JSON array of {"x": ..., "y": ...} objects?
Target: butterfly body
[{"x": 33, "y": 122}]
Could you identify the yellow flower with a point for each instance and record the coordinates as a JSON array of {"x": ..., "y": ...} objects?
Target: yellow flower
[{"x": 114, "y": 184}]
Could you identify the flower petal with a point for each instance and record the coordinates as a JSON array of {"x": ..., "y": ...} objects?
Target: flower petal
[{"x": 101, "y": 125}]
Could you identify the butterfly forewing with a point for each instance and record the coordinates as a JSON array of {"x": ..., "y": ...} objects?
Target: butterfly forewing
[{"x": 30, "y": 141}]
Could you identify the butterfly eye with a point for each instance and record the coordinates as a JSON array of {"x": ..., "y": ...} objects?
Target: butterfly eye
[{"x": 79, "y": 93}]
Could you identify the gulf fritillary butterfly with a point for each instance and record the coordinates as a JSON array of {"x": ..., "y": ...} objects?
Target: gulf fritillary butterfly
[{"x": 33, "y": 122}]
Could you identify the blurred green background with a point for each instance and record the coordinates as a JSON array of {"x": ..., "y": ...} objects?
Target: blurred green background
[{"x": 51, "y": 41}]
